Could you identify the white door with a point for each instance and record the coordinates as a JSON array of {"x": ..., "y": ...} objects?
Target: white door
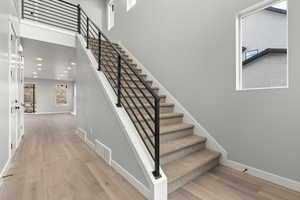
[{"x": 14, "y": 60}]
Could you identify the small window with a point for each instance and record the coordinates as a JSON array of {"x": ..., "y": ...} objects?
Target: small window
[
  {"x": 61, "y": 94},
  {"x": 251, "y": 53},
  {"x": 111, "y": 15},
  {"x": 130, "y": 4},
  {"x": 262, "y": 46}
]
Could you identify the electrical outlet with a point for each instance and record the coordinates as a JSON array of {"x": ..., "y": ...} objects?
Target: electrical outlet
[{"x": 245, "y": 170}]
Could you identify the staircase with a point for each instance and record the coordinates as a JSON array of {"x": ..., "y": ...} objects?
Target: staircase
[
  {"x": 183, "y": 156},
  {"x": 171, "y": 143}
]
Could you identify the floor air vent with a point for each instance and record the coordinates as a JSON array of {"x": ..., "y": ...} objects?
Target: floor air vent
[{"x": 103, "y": 151}]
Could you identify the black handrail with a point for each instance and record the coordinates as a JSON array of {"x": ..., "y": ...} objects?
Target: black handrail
[{"x": 133, "y": 93}]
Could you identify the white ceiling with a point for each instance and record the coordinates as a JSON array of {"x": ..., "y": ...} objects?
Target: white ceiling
[{"x": 58, "y": 62}]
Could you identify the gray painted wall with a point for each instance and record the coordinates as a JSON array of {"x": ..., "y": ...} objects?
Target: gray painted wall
[
  {"x": 6, "y": 7},
  {"x": 96, "y": 10},
  {"x": 94, "y": 113},
  {"x": 45, "y": 95},
  {"x": 178, "y": 40}
]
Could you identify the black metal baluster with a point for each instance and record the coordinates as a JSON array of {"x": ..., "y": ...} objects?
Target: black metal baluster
[
  {"x": 87, "y": 33},
  {"x": 156, "y": 172},
  {"x": 119, "y": 81},
  {"x": 79, "y": 18},
  {"x": 22, "y": 9},
  {"x": 99, "y": 53}
]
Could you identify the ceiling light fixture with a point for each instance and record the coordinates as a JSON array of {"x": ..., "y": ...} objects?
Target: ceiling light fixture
[
  {"x": 34, "y": 73},
  {"x": 39, "y": 59},
  {"x": 73, "y": 63},
  {"x": 69, "y": 68},
  {"x": 35, "y": 76},
  {"x": 61, "y": 75},
  {"x": 65, "y": 71},
  {"x": 40, "y": 69},
  {"x": 39, "y": 65}
]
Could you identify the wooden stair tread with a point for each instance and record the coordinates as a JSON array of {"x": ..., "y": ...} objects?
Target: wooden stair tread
[
  {"x": 147, "y": 105},
  {"x": 162, "y": 116},
  {"x": 178, "y": 168},
  {"x": 175, "y": 127},
  {"x": 181, "y": 143}
]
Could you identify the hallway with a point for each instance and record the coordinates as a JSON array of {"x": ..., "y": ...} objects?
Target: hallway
[{"x": 52, "y": 163}]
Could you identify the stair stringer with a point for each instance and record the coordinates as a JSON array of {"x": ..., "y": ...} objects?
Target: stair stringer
[
  {"x": 199, "y": 130},
  {"x": 158, "y": 187}
]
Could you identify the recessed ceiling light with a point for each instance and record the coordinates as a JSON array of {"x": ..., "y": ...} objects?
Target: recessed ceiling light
[
  {"x": 40, "y": 69},
  {"x": 69, "y": 68},
  {"x": 73, "y": 63},
  {"x": 35, "y": 76},
  {"x": 61, "y": 75},
  {"x": 34, "y": 73},
  {"x": 39, "y": 59},
  {"x": 65, "y": 71},
  {"x": 39, "y": 65}
]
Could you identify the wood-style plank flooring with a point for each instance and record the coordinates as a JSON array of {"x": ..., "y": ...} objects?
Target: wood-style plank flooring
[
  {"x": 52, "y": 163},
  {"x": 228, "y": 184}
]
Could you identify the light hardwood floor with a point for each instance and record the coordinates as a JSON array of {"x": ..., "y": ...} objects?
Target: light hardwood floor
[
  {"x": 52, "y": 163},
  {"x": 228, "y": 184}
]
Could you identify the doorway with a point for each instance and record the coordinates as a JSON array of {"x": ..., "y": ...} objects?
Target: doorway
[{"x": 29, "y": 98}]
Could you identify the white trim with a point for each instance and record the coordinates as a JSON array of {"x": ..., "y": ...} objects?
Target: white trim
[
  {"x": 90, "y": 143},
  {"x": 130, "y": 4},
  {"x": 239, "y": 61},
  {"x": 158, "y": 187},
  {"x": 131, "y": 179},
  {"x": 49, "y": 27},
  {"x": 49, "y": 113},
  {"x": 273, "y": 178},
  {"x": 188, "y": 118}
]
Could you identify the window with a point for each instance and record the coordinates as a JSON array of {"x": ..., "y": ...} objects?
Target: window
[
  {"x": 262, "y": 46},
  {"x": 130, "y": 4},
  {"x": 111, "y": 15},
  {"x": 251, "y": 53},
  {"x": 61, "y": 94}
]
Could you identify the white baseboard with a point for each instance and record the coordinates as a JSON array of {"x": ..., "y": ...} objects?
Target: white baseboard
[
  {"x": 131, "y": 179},
  {"x": 188, "y": 118},
  {"x": 6, "y": 166},
  {"x": 273, "y": 178},
  {"x": 4, "y": 170}
]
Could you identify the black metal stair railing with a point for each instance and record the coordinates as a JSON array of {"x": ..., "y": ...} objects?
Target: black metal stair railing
[{"x": 134, "y": 94}]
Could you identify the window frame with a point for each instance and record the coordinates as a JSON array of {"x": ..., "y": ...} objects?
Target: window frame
[{"x": 239, "y": 52}]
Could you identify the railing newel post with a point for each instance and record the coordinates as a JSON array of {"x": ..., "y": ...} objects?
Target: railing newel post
[
  {"x": 119, "y": 81},
  {"x": 156, "y": 172}
]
